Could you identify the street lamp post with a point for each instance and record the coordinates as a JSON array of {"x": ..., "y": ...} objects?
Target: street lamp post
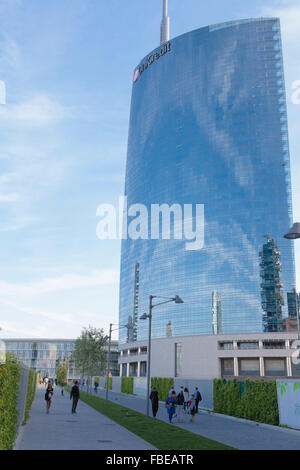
[
  {"x": 108, "y": 352},
  {"x": 175, "y": 299},
  {"x": 293, "y": 234},
  {"x": 108, "y": 361}
]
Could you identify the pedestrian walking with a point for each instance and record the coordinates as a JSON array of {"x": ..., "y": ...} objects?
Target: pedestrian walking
[
  {"x": 154, "y": 400},
  {"x": 179, "y": 407},
  {"x": 48, "y": 397},
  {"x": 171, "y": 406},
  {"x": 186, "y": 394},
  {"x": 75, "y": 395},
  {"x": 198, "y": 397},
  {"x": 172, "y": 391},
  {"x": 62, "y": 391},
  {"x": 96, "y": 385},
  {"x": 192, "y": 407}
]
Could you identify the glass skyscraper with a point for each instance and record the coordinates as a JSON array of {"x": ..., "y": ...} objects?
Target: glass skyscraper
[{"x": 208, "y": 126}]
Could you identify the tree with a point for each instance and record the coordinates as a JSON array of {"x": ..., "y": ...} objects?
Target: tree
[
  {"x": 89, "y": 353},
  {"x": 62, "y": 373}
]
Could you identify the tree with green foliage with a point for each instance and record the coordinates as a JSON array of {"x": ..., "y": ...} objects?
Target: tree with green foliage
[
  {"x": 62, "y": 370},
  {"x": 89, "y": 353}
]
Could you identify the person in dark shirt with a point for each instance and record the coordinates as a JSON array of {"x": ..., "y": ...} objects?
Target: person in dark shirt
[
  {"x": 75, "y": 395},
  {"x": 154, "y": 400}
]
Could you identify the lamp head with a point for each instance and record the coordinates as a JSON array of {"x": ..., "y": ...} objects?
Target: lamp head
[
  {"x": 178, "y": 300},
  {"x": 294, "y": 232}
]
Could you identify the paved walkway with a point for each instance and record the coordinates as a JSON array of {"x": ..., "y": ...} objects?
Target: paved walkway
[
  {"x": 86, "y": 430},
  {"x": 241, "y": 434}
]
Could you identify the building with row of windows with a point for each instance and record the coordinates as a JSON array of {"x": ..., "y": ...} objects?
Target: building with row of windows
[
  {"x": 256, "y": 355},
  {"x": 43, "y": 355}
]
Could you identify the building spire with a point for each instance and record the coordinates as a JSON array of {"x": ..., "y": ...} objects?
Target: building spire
[{"x": 165, "y": 24}]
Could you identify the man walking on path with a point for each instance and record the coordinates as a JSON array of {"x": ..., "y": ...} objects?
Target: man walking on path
[
  {"x": 198, "y": 397},
  {"x": 154, "y": 400},
  {"x": 75, "y": 395}
]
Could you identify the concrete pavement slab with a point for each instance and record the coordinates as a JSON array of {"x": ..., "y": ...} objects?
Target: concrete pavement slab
[{"x": 60, "y": 429}]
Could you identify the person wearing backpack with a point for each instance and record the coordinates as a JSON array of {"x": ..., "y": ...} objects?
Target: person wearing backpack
[
  {"x": 180, "y": 403},
  {"x": 198, "y": 397},
  {"x": 171, "y": 406},
  {"x": 192, "y": 407}
]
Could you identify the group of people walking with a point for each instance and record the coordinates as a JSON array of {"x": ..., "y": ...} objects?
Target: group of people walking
[
  {"x": 75, "y": 394},
  {"x": 178, "y": 404}
]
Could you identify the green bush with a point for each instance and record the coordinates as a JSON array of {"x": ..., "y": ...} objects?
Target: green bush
[
  {"x": 163, "y": 385},
  {"x": 10, "y": 374},
  {"x": 109, "y": 383},
  {"x": 127, "y": 385},
  {"x": 254, "y": 399},
  {"x": 31, "y": 389}
]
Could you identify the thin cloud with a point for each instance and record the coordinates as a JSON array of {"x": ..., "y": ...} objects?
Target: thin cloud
[
  {"x": 39, "y": 111},
  {"x": 47, "y": 285},
  {"x": 11, "y": 197}
]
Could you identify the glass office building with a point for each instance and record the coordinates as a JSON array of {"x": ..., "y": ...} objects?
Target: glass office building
[
  {"x": 208, "y": 126},
  {"x": 44, "y": 355}
]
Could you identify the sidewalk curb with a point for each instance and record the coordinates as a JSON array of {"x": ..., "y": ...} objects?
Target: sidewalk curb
[
  {"x": 253, "y": 423},
  {"x": 294, "y": 432}
]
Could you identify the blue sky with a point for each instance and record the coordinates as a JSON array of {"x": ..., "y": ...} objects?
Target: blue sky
[{"x": 68, "y": 67}]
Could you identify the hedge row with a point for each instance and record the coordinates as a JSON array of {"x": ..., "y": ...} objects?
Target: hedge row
[
  {"x": 252, "y": 399},
  {"x": 10, "y": 374},
  {"x": 163, "y": 386},
  {"x": 127, "y": 385},
  {"x": 109, "y": 383},
  {"x": 31, "y": 389}
]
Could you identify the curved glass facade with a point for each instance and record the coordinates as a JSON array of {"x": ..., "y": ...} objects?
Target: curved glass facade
[{"x": 208, "y": 126}]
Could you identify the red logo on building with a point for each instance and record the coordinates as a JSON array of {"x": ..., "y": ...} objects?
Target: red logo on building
[{"x": 136, "y": 75}]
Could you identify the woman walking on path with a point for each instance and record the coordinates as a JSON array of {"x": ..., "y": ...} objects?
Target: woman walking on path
[
  {"x": 180, "y": 403},
  {"x": 192, "y": 406},
  {"x": 170, "y": 405},
  {"x": 154, "y": 400},
  {"x": 186, "y": 399},
  {"x": 48, "y": 397}
]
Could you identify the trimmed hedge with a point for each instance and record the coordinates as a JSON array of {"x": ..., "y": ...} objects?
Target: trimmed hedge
[
  {"x": 127, "y": 385},
  {"x": 163, "y": 385},
  {"x": 31, "y": 389},
  {"x": 109, "y": 383},
  {"x": 10, "y": 374},
  {"x": 253, "y": 399}
]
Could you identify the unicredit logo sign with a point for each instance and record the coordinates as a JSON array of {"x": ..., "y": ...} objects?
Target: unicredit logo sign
[{"x": 150, "y": 60}]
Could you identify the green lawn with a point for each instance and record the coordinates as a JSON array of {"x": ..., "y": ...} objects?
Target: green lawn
[{"x": 161, "y": 435}]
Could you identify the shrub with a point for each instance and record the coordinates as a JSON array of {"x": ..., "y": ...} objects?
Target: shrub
[
  {"x": 10, "y": 374},
  {"x": 255, "y": 400},
  {"x": 127, "y": 385},
  {"x": 109, "y": 383},
  {"x": 31, "y": 389},
  {"x": 163, "y": 385}
]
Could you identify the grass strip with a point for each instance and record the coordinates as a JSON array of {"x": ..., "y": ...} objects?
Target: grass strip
[{"x": 161, "y": 435}]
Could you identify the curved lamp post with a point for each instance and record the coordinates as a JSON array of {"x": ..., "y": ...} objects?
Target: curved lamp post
[{"x": 175, "y": 299}]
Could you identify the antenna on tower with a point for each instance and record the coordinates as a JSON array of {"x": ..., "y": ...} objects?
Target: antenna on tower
[{"x": 165, "y": 24}]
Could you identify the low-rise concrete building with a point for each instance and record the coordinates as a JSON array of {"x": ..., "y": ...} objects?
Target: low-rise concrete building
[{"x": 214, "y": 356}]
